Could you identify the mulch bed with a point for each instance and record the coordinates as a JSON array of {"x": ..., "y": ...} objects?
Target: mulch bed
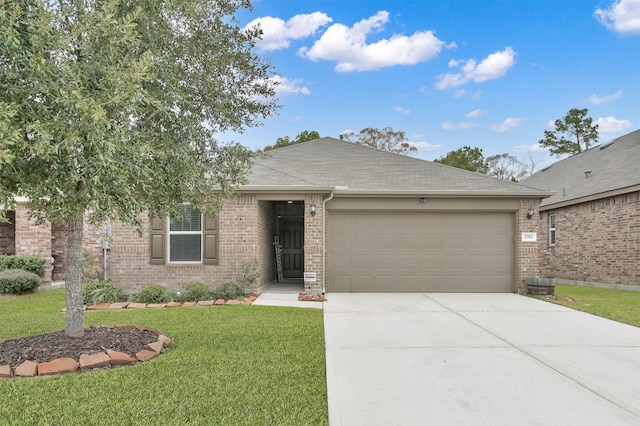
[{"x": 50, "y": 346}]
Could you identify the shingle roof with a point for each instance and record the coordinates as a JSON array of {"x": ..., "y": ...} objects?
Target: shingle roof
[
  {"x": 329, "y": 163},
  {"x": 614, "y": 166}
]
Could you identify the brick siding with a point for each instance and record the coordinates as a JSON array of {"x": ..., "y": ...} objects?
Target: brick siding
[
  {"x": 596, "y": 241},
  {"x": 241, "y": 237},
  {"x": 313, "y": 241},
  {"x": 527, "y": 253}
]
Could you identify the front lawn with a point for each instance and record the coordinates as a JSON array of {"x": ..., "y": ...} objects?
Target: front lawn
[
  {"x": 229, "y": 365},
  {"x": 618, "y": 305}
]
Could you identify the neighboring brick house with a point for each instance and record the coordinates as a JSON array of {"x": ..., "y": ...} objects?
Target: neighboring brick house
[
  {"x": 20, "y": 236},
  {"x": 348, "y": 218},
  {"x": 590, "y": 227}
]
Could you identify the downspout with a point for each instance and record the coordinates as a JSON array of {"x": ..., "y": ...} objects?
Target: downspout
[{"x": 324, "y": 239}]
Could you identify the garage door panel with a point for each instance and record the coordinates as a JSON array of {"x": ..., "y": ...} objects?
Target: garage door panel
[{"x": 426, "y": 251}]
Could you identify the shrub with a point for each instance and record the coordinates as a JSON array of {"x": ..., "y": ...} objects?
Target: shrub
[
  {"x": 195, "y": 292},
  {"x": 33, "y": 264},
  {"x": 95, "y": 292},
  {"x": 91, "y": 270},
  {"x": 18, "y": 281},
  {"x": 153, "y": 293},
  {"x": 248, "y": 274},
  {"x": 227, "y": 291}
]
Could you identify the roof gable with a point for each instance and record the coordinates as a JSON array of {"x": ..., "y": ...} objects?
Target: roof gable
[
  {"x": 331, "y": 163},
  {"x": 598, "y": 171}
]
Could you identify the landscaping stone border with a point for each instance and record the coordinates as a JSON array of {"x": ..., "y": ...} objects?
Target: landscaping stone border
[
  {"x": 203, "y": 303},
  {"x": 88, "y": 362}
]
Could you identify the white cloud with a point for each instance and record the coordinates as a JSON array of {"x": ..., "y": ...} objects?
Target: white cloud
[
  {"x": 476, "y": 113},
  {"x": 551, "y": 124},
  {"x": 611, "y": 125},
  {"x": 403, "y": 110},
  {"x": 476, "y": 96},
  {"x": 493, "y": 66},
  {"x": 510, "y": 123},
  {"x": 622, "y": 16},
  {"x": 277, "y": 34},
  {"x": 459, "y": 93},
  {"x": 447, "y": 125},
  {"x": 426, "y": 146},
  {"x": 285, "y": 86},
  {"x": 597, "y": 100},
  {"x": 348, "y": 46},
  {"x": 536, "y": 147}
]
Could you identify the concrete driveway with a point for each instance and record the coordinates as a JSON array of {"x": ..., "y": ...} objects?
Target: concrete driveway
[{"x": 476, "y": 359}]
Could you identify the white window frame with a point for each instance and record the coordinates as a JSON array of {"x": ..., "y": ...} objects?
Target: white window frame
[
  {"x": 552, "y": 229},
  {"x": 171, "y": 233}
]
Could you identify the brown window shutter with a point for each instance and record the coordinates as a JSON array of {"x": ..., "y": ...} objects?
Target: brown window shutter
[
  {"x": 156, "y": 244},
  {"x": 210, "y": 237}
]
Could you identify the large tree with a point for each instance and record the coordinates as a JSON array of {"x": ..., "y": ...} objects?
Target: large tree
[
  {"x": 465, "y": 158},
  {"x": 507, "y": 167},
  {"x": 108, "y": 110},
  {"x": 303, "y": 136},
  {"x": 573, "y": 133},
  {"x": 385, "y": 139}
]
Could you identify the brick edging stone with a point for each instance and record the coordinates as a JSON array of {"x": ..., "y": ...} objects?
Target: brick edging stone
[
  {"x": 203, "y": 303},
  {"x": 89, "y": 361}
]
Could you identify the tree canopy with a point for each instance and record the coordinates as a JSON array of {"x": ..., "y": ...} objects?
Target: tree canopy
[
  {"x": 465, "y": 158},
  {"x": 385, "y": 139},
  {"x": 573, "y": 133},
  {"x": 111, "y": 108},
  {"x": 303, "y": 136},
  {"x": 507, "y": 167}
]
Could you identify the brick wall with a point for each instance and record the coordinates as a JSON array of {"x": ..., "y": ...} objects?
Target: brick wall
[
  {"x": 313, "y": 240},
  {"x": 32, "y": 239},
  {"x": 240, "y": 241},
  {"x": 597, "y": 241},
  {"x": 8, "y": 234},
  {"x": 527, "y": 253},
  {"x": 266, "y": 256}
]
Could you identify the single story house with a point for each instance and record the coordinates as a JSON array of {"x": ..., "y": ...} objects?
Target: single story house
[
  {"x": 590, "y": 227},
  {"x": 347, "y": 219}
]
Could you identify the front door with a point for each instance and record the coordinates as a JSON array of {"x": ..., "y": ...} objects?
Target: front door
[{"x": 292, "y": 242}]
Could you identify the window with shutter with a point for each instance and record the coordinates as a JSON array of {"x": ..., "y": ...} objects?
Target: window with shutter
[{"x": 190, "y": 238}]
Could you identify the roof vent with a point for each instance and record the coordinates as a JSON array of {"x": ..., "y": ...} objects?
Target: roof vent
[
  {"x": 546, "y": 168},
  {"x": 587, "y": 173}
]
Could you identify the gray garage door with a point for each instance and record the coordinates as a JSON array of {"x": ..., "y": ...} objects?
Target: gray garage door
[{"x": 420, "y": 252}]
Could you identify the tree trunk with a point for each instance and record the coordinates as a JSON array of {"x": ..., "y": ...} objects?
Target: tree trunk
[{"x": 73, "y": 277}]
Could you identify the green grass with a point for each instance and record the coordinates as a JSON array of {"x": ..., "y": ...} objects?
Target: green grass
[
  {"x": 232, "y": 365},
  {"x": 618, "y": 305}
]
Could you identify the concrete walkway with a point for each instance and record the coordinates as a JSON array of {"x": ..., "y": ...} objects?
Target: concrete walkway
[
  {"x": 284, "y": 294},
  {"x": 476, "y": 359}
]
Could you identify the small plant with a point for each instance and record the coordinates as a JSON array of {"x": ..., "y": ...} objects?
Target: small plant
[
  {"x": 248, "y": 275},
  {"x": 18, "y": 281},
  {"x": 96, "y": 292},
  {"x": 195, "y": 292},
  {"x": 34, "y": 264},
  {"x": 153, "y": 293},
  {"x": 228, "y": 291},
  {"x": 90, "y": 268}
]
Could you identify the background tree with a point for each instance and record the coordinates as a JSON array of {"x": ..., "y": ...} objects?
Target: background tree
[
  {"x": 110, "y": 108},
  {"x": 507, "y": 167},
  {"x": 303, "y": 136},
  {"x": 465, "y": 158},
  {"x": 386, "y": 140},
  {"x": 572, "y": 135}
]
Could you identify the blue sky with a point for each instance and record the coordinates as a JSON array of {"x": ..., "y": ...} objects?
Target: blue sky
[{"x": 489, "y": 74}]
